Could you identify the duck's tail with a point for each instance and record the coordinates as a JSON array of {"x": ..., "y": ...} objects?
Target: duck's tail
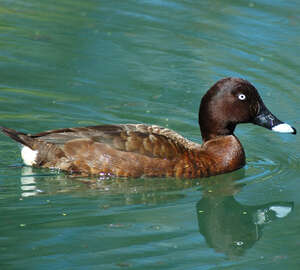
[{"x": 19, "y": 137}]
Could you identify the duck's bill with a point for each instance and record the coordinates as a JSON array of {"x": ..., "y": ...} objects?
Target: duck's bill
[{"x": 266, "y": 119}]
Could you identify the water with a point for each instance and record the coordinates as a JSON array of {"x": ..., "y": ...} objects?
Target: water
[{"x": 74, "y": 63}]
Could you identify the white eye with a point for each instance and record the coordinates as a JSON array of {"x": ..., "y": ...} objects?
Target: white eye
[{"x": 242, "y": 97}]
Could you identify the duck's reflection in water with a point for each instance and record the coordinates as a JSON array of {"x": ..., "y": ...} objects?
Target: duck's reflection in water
[
  {"x": 227, "y": 225},
  {"x": 230, "y": 227},
  {"x": 28, "y": 183}
]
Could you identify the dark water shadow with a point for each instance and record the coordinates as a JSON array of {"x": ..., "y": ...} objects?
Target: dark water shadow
[{"x": 228, "y": 226}]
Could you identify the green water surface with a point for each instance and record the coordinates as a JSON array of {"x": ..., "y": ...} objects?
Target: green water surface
[{"x": 66, "y": 63}]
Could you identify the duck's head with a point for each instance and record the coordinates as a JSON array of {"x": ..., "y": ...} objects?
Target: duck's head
[{"x": 231, "y": 101}]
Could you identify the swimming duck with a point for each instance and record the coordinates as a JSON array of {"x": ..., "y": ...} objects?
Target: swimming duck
[{"x": 137, "y": 150}]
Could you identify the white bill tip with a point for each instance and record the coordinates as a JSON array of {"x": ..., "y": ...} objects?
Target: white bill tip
[
  {"x": 281, "y": 211},
  {"x": 283, "y": 128}
]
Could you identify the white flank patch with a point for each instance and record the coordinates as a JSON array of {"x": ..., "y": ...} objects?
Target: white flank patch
[
  {"x": 284, "y": 128},
  {"x": 281, "y": 211},
  {"x": 29, "y": 155}
]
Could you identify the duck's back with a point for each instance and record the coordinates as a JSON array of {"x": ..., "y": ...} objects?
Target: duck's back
[{"x": 120, "y": 150}]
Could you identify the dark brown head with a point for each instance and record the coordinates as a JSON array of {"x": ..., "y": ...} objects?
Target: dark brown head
[{"x": 231, "y": 101}]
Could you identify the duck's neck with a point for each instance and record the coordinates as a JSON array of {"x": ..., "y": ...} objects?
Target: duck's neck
[{"x": 212, "y": 130}]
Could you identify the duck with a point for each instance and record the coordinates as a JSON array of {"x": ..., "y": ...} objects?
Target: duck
[{"x": 140, "y": 150}]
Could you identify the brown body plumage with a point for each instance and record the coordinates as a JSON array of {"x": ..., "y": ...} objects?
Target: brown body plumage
[{"x": 132, "y": 151}]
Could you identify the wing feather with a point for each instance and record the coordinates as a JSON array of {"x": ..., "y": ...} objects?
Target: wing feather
[{"x": 152, "y": 141}]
